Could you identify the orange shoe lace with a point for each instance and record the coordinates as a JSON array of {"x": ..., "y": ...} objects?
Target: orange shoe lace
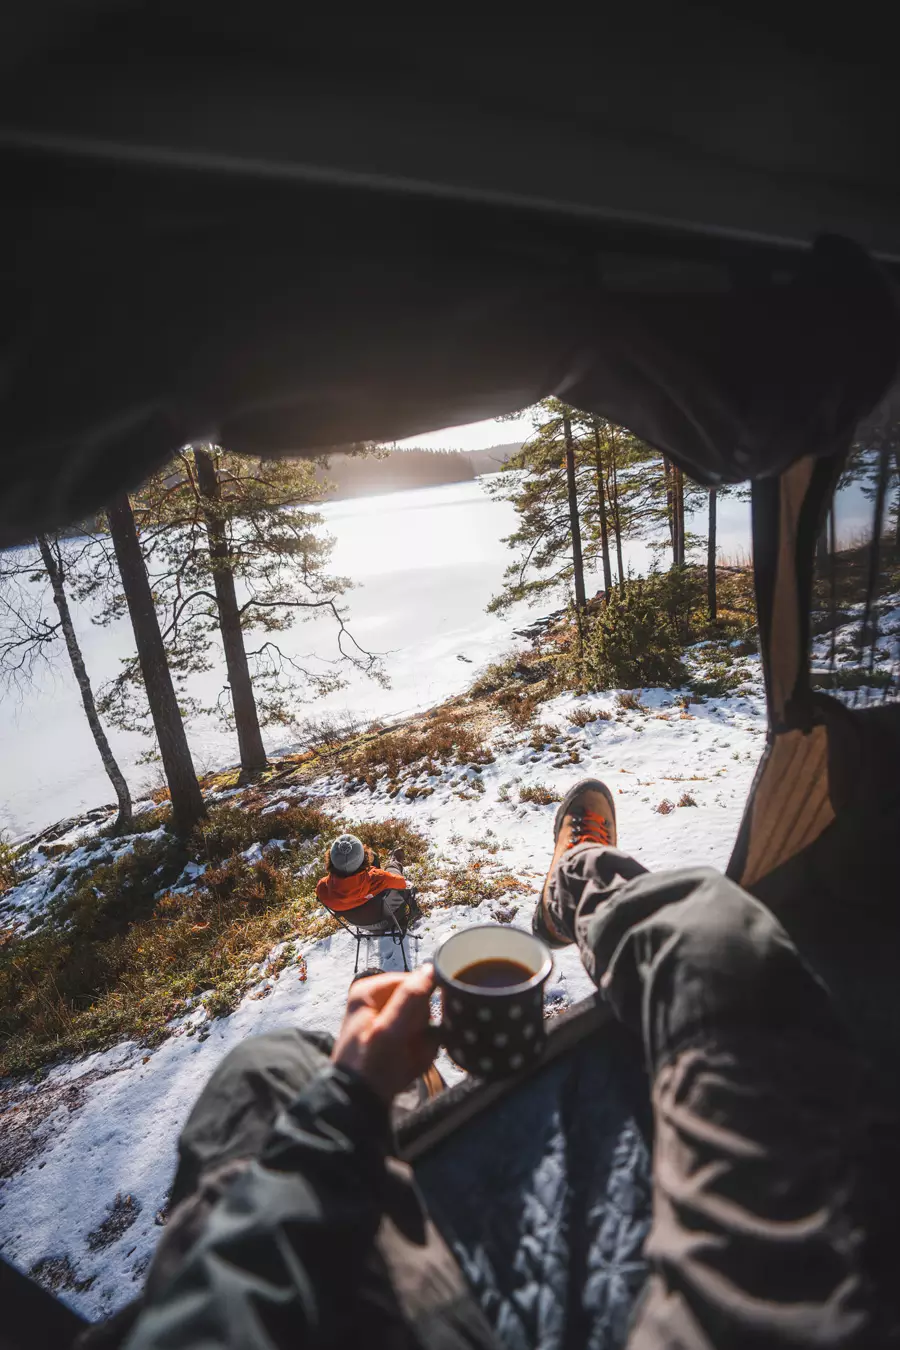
[{"x": 589, "y": 828}]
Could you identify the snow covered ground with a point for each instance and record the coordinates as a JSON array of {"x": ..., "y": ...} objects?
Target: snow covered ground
[
  {"x": 98, "y": 1138},
  {"x": 107, "y": 1126}
]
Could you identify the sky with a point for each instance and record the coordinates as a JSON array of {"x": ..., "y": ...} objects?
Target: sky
[{"x": 474, "y": 436}]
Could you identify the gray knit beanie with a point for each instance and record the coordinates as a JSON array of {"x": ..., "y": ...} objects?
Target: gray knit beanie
[{"x": 347, "y": 855}]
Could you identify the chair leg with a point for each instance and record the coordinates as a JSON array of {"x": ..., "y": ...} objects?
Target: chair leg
[{"x": 356, "y": 965}]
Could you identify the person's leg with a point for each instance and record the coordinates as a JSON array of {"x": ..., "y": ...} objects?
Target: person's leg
[
  {"x": 228, "y": 1127},
  {"x": 758, "y": 1235},
  {"x": 585, "y": 819},
  {"x": 237, "y": 1107}
]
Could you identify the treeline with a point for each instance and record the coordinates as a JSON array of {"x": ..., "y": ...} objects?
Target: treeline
[
  {"x": 212, "y": 549},
  {"x": 582, "y": 486},
  {"x": 346, "y": 475}
]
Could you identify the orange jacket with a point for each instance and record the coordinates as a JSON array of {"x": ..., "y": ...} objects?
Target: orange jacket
[{"x": 342, "y": 893}]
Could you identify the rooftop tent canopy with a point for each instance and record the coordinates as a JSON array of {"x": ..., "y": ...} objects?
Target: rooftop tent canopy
[{"x": 230, "y": 225}]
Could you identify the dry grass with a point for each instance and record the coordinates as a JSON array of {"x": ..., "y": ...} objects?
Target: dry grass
[
  {"x": 544, "y": 735},
  {"x": 538, "y": 794},
  {"x": 472, "y": 882},
  {"x": 582, "y": 717},
  {"x": 447, "y": 736},
  {"x": 630, "y": 702},
  {"x": 123, "y": 953}
]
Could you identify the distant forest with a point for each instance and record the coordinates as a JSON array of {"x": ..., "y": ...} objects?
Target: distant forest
[{"x": 365, "y": 476}]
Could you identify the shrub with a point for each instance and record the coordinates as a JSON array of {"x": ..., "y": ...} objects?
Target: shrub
[
  {"x": 686, "y": 799},
  {"x": 119, "y": 954},
  {"x": 630, "y": 702},
  {"x": 582, "y": 717},
  {"x": 496, "y": 675},
  {"x": 10, "y": 866},
  {"x": 538, "y": 793},
  {"x": 542, "y": 736},
  {"x": 474, "y": 881},
  {"x": 665, "y": 807},
  {"x": 328, "y": 731},
  {"x": 638, "y": 636},
  {"x": 520, "y": 704},
  {"x": 717, "y": 681},
  {"x": 852, "y": 677},
  {"x": 231, "y": 829}
]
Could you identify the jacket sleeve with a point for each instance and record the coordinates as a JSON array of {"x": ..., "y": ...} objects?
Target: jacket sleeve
[
  {"x": 271, "y": 1268},
  {"x": 386, "y": 881}
]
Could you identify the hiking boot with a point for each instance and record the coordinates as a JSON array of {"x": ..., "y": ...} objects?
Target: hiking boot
[
  {"x": 586, "y": 815},
  {"x": 397, "y": 859}
]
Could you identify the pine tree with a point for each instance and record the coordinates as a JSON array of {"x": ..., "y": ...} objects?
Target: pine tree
[
  {"x": 545, "y": 483},
  {"x": 574, "y": 523},
  {"x": 26, "y": 635},
  {"x": 602, "y": 493},
  {"x": 246, "y": 719},
  {"x": 576, "y": 470},
  {"x": 235, "y": 546},
  {"x": 184, "y": 790},
  {"x": 617, "y": 462}
]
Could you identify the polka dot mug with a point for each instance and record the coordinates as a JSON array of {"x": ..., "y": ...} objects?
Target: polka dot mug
[{"x": 492, "y": 1029}]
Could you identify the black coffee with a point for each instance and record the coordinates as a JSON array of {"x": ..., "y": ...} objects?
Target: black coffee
[{"x": 494, "y": 974}]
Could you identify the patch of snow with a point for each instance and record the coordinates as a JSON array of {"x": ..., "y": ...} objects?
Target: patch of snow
[
  {"x": 258, "y": 850},
  {"x": 23, "y": 906},
  {"x": 122, "y": 1138}
]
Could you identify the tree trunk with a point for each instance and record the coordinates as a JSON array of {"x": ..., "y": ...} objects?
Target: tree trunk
[
  {"x": 613, "y": 485},
  {"x": 246, "y": 719},
  {"x": 897, "y": 526},
  {"x": 187, "y": 799},
  {"x": 822, "y": 547},
  {"x": 678, "y": 485},
  {"x": 53, "y": 567},
  {"x": 574, "y": 523},
  {"x": 671, "y": 513},
  {"x": 601, "y": 503},
  {"x": 711, "y": 558}
]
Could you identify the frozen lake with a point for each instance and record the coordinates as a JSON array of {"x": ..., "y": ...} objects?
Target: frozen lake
[{"x": 425, "y": 564}]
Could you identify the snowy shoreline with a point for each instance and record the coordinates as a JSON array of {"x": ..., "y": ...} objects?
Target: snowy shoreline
[
  {"x": 114, "y": 1117},
  {"x": 83, "y": 1203}
]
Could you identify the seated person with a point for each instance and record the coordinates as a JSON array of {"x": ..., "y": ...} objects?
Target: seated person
[
  {"x": 773, "y": 1213},
  {"x": 357, "y": 887}
]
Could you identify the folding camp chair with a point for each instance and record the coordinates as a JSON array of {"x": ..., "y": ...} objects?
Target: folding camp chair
[{"x": 390, "y": 926}]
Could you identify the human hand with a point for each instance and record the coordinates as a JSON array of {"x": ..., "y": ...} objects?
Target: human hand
[{"x": 385, "y": 1036}]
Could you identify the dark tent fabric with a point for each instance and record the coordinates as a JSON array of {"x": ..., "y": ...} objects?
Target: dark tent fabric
[
  {"x": 288, "y": 233},
  {"x": 175, "y": 328}
]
